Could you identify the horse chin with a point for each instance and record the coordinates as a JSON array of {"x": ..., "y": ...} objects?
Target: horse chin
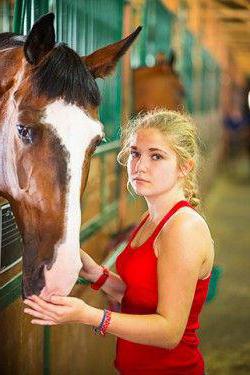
[
  {"x": 60, "y": 278},
  {"x": 47, "y": 292},
  {"x": 56, "y": 289}
]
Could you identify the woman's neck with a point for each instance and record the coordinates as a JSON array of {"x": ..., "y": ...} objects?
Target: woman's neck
[{"x": 159, "y": 205}]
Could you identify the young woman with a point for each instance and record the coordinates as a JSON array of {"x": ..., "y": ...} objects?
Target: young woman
[{"x": 163, "y": 273}]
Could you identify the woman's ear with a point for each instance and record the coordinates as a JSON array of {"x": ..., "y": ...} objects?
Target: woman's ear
[{"x": 187, "y": 167}]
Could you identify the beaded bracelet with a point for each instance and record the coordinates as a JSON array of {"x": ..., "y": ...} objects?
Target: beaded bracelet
[{"x": 102, "y": 328}]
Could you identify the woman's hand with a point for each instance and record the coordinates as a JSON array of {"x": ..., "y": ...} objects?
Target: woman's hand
[
  {"x": 59, "y": 310},
  {"x": 90, "y": 269}
]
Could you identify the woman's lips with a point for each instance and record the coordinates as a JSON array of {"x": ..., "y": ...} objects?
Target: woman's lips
[{"x": 137, "y": 179}]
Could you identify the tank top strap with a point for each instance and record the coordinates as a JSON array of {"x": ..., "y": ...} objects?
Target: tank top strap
[
  {"x": 170, "y": 213},
  {"x": 138, "y": 228}
]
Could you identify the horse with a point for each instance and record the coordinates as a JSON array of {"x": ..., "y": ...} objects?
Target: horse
[
  {"x": 49, "y": 128},
  {"x": 158, "y": 86}
]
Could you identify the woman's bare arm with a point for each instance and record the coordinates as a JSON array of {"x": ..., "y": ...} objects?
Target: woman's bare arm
[{"x": 91, "y": 271}]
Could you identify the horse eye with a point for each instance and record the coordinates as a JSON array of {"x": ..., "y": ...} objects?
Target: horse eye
[{"x": 25, "y": 133}]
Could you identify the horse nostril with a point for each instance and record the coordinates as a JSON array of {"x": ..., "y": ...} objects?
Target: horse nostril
[
  {"x": 38, "y": 277},
  {"x": 26, "y": 287}
]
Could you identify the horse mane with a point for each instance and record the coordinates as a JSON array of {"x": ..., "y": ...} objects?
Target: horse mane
[
  {"x": 8, "y": 40},
  {"x": 62, "y": 74}
]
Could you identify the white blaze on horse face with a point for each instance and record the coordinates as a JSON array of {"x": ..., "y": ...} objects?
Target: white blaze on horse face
[{"x": 76, "y": 131}]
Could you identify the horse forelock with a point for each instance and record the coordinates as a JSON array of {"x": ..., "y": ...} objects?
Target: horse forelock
[
  {"x": 10, "y": 40},
  {"x": 62, "y": 74}
]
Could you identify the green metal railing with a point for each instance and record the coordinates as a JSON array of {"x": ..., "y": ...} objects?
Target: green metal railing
[
  {"x": 6, "y": 14},
  {"x": 210, "y": 82},
  {"x": 107, "y": 210},
  {"x": 187, "y": 69},
  {"x": 158, "y": 23},
  {"x": 208, "y": 76},
  {"x": 156, "y": 36}
]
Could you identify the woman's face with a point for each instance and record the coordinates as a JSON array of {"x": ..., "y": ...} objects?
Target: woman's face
[{"x": 152, "y": 164}]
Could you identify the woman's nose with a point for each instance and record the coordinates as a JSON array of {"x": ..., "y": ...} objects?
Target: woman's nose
[{"x": 141, "y": 165}]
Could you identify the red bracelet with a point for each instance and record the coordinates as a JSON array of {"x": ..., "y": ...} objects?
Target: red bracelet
[
  {"x": 99, "y": 282},
  {"x": 103, "y": 326}
]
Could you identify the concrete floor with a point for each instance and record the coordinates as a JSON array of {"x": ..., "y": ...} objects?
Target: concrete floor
[{"x": 225, "y": 321}]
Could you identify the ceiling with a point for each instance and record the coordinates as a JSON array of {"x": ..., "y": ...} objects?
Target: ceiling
[
  {"x": 234, "y": 17},
  {"x": 222, "y": 25}
]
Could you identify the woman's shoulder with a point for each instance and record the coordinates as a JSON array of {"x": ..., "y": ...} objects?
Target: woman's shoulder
[
  {"x": 188, "y": 219},
  {"x": 187, "y": 225}
]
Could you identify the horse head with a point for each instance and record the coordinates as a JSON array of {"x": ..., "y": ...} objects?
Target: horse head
[{"x": 49, "y": 128}]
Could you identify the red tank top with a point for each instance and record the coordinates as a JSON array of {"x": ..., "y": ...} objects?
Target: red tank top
[{"x": 137, "y": 267}]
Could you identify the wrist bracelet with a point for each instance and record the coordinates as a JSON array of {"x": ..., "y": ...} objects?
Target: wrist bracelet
[
  {"x": 99, "y": 282},
  {"x": 103, "y": 326}
]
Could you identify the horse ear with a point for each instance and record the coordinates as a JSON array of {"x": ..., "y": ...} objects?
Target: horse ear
[
  {"x": 41, "y": 39},
  {"x": 103, "y": 61}
]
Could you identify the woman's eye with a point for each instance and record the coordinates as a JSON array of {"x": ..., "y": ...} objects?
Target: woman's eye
[
  {"x": 134, "y": 154},
  {"x": 25, "y": 133},
  {"x": 156, "y": 157}
]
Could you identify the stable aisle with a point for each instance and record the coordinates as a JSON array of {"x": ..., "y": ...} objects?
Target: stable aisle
[{"x": 225, "y": 332}]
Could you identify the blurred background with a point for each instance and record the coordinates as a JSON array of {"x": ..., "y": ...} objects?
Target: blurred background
[{"x": 192, "y": 55}]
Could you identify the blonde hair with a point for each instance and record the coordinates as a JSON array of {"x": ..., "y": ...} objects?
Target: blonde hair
[{"x": 180, "y": 131}]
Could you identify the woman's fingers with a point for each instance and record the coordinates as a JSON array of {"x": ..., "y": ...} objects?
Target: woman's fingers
[
  {"x": 58, "y": 310},
  {"x": 36, "y": 307},
  {"x": 36, "y": 314},
  {"x": 48, "y": 306},
  {"x": 32, "y": 304},
  {"x": 58, "y": 300},
  {"x": 43, "y": 322}
]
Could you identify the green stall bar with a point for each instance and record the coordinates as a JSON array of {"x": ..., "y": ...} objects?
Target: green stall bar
[
  {"x": 186, "y": 69},
  {"x": 157, "y": 24},
  {"x": 6, "y": 15},
  {"x": 210, "y": 82}
]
